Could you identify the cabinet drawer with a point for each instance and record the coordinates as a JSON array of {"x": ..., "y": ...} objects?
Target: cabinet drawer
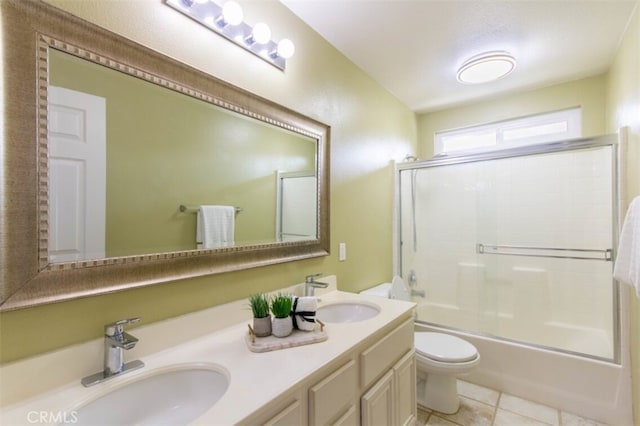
[
  {"x": 380, "y": 357},
  {"x": 330, "y": 397},
  {"x": 291, "y": 415}
]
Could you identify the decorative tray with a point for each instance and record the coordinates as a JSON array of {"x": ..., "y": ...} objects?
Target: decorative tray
[{"x": 296, "y": 338}]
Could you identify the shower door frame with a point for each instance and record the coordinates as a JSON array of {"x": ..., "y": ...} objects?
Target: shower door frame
[{"x": 522, "y": 151}]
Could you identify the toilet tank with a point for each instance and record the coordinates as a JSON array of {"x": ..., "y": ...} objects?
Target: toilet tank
[{"x": 381, "y": 290}]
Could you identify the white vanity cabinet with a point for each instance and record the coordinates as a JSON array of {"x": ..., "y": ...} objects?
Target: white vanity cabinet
[{"x": 372, "y": 384}]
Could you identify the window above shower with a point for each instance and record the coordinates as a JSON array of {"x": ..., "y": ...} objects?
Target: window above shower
[{"x": 530, "y": 130}]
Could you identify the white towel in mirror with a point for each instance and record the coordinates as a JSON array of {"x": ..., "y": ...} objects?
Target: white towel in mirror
[
  {"x": 627, "y": 267},
  {"x": 215, "y": 227}
]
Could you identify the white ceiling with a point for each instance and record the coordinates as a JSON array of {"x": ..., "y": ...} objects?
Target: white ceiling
[{"x": 414, "y": 47}]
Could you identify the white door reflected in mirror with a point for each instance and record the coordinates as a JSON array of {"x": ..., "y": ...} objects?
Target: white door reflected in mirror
[{"x": 77, "y": 175}]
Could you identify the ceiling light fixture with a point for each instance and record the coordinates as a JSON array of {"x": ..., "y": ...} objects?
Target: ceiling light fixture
[
  {"x": 227, "y": 21},
  {"x": 486, "y": 67}
]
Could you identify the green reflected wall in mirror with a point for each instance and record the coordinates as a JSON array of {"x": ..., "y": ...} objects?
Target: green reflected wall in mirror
[{"x": 164, "y": 149}]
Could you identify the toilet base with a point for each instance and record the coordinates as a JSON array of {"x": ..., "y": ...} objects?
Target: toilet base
[{"x": 438, "y": 392}]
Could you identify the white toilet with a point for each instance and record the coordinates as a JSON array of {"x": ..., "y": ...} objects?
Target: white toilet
[{"x": 440, "y": 357}]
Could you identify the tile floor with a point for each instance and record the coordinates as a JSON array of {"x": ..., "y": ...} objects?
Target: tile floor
[{"x": 480, "y": 406}]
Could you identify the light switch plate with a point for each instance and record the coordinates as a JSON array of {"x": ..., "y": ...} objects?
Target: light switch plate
[{"x": 342, "y": 252}]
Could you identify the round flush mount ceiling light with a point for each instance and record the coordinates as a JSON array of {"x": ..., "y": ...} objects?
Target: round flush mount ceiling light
[{"x": 486, "y": 67}]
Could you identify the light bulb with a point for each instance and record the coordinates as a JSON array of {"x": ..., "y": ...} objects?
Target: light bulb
[
  {"x": 261, "y": 33},
  {"x": 286, "y": 48},
  {"x": 232, "y": 13}
]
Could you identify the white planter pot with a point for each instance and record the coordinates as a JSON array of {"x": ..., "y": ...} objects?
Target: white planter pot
[{"x": 281, "y": 327}]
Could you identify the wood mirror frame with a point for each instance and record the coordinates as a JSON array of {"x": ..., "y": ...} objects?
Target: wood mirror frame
[{"x": 30, "y": 29}]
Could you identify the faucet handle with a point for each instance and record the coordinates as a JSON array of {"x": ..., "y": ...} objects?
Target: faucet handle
[
  {"x": 117, "y": 328},
  {"x": 309, "y": 278}
]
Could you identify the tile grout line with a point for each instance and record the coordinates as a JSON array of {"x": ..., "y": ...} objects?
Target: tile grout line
[{"x": 495, "y": 409}]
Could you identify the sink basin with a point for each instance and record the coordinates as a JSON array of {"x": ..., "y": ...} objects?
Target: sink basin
[
  {"x": 176, "y": 396},
  {"x": 348, "y": 311}
]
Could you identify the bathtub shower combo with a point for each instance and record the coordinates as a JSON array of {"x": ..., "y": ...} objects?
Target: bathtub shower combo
[{"x": 513, "y": 250}]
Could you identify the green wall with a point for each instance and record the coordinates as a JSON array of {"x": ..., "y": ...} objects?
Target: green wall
[{"x": 369, "y": 129}]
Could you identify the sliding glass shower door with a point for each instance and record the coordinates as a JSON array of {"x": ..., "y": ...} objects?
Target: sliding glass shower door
[{"x": 518, "y": 247}]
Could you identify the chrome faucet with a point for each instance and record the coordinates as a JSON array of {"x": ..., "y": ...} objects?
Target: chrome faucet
[
  {"x": 310, "y": 284},
  {"x": 116, "y": 341}
]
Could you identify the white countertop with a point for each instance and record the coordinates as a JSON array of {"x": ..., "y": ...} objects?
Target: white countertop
[{"x": 274, "y": 372}]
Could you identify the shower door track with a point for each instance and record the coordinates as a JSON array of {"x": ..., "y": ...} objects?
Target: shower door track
[{"x": 545, "y": 148}]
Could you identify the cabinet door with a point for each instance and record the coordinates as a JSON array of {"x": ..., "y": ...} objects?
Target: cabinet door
[
  {"x": 378, "y": 403},
  {"x": 333, "y": 395},
  {"x": 404, "y": 378}
]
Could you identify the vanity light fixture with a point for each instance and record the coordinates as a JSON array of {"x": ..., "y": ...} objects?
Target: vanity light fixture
[
  {"x": 227, "y": 21},
  {"x": 486, "y": 67}
]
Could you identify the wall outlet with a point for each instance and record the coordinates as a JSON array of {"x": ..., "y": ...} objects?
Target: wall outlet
[{"x": 342, "y": 252}]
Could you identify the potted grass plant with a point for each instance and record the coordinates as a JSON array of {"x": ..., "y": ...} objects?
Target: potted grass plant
[
  {"x": 282, "y": 324},
  {"x": 261, "y": 316}
]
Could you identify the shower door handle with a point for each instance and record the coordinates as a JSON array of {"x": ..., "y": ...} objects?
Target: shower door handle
[{"x": 555, "y": 252}]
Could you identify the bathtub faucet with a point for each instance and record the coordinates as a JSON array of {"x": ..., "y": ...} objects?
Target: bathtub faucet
[{"x": 416, "y": 292}]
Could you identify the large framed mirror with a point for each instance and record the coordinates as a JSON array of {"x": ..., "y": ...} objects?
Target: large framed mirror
[{"x": 124, "y": 168}]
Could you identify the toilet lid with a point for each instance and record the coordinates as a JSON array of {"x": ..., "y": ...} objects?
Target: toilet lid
[
  {"x": 399, "y": 290},
  {"x": 444, "y": 347}
]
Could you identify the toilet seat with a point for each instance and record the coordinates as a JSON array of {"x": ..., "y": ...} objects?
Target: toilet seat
[{"x": 444, "y": 347}]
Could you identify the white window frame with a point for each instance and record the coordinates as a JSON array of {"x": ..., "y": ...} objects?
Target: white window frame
[{"x": 552, "y": 126}]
